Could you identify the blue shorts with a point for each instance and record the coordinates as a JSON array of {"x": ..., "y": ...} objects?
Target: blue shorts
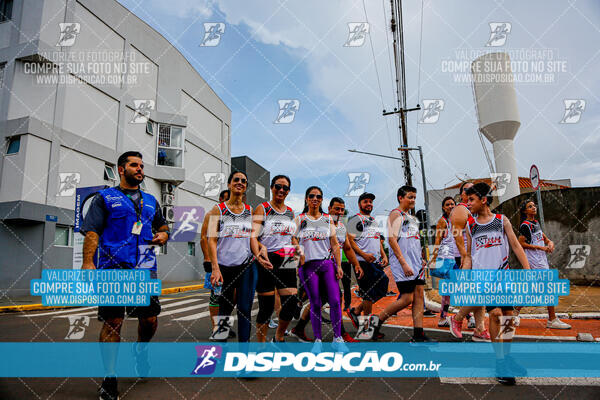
[{"x": 374, "y": 283}]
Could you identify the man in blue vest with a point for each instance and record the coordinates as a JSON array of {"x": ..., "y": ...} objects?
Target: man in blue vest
[{"x": 125, "y": 225}]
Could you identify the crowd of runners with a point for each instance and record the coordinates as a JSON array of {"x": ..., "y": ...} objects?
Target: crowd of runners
[{"x": 293, "y": 264}]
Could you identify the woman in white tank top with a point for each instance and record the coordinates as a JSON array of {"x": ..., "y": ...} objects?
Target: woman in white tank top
[
  {"x": 275, "y": 227},
  {"x": 231, "y": 247},
  {"x": 317, "y": 238}
]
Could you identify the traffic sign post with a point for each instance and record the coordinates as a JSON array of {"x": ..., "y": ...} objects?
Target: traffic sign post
[{"x": 534, "y": 177}]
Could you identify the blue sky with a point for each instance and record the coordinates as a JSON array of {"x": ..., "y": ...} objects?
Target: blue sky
[{"x": 275, "y": 50}]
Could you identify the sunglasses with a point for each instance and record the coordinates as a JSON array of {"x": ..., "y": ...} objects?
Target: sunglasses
[
  {"x": 238, "y": 179},
  {"x": 277, "y": 186},
  {"x": 312, "y": 196}
]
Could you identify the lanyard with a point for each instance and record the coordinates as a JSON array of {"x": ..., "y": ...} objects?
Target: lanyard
[{"x": 138, "y": 211}]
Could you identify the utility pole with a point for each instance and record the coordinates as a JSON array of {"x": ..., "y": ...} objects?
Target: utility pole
[
  {"x": 398, "y": 35},
  {"x": 405, "y": 151}
]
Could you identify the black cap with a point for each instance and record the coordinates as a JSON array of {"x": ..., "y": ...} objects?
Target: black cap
[{"x": 366, "y": 195}]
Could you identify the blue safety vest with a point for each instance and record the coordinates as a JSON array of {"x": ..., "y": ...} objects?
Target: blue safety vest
[{"x": 118, "y": 247}]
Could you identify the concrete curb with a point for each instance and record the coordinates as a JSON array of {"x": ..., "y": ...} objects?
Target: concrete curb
[{"x": 38, "y": 307}]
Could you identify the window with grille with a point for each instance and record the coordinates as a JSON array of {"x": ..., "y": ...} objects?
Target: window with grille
[{"x": 170, "y": 146}]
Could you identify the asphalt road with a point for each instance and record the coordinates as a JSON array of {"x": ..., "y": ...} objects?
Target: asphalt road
[{"x": 185, "y": 319}]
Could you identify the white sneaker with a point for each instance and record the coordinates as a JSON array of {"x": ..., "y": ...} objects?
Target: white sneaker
[
  {"x": 443, "y": 323},
  {"x": 557, "y": 324},
  {"x": 273, "y": 324},
  {"x": 517, "y": 321},
  {"x": 471, "y": 324},
  {"x": 339, "y": 345},
  {"x": 317, "y": 347}
]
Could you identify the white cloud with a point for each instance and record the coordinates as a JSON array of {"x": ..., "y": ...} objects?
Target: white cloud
[{"x": 184, "y": 8}]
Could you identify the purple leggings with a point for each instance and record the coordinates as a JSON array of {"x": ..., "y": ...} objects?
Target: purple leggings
[{"x": 310, "y": 274}]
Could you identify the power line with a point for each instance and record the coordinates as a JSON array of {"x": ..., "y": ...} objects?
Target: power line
[
  {"x": 387, "y": 128},
  {"x": 419, "y": 79}
]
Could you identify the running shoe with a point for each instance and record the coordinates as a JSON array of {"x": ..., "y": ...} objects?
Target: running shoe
[
  {"x": 517, "y": 321},
  {"x": 317, "y": 347},
  {"x": 357, "y": 293},
  {"x": 483, "y": 336},
  {"x": 273, "y": 324},
  {"x": 557, "y": 324},
  {"x": 140, "y": 354},
  {"x": 515, "y": 368},
  {"x": 455, "y": 328},
  {"x": 391, "y": 293},
  {"x": 472, "y": 324},
  {"x": 443, "y": 323},
  {"x": 504, "y": 374},
  {"x": 507, "y": 381},
  {"x": 339, "y": 346},
  {"x": 428, "y": 314},
  {"x": 300, "y": 335},
  {"x": 108, "y": 390},
  {"x": 353, "y": 317},
  {"x": 348, "y": 338},
  {"x": 422, "y": 339}
]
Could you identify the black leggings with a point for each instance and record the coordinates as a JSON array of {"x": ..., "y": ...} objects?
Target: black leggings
[
  {"x": 346, "y": 282},
  {"x": 240, "y": 279}
]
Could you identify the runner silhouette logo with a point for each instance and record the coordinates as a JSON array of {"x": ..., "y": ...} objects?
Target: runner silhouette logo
[
  {"x": 498, "y": 33},
  {"x": 579, "y": 255},
  {"x": 574, "y": 108},
  {"x": 207, "y": 359}
]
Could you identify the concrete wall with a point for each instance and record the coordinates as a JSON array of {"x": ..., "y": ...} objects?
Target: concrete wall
[{"x": 572, "y": 217}]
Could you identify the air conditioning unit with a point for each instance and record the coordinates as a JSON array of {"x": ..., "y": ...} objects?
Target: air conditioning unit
[
  {"x": 167, "y": 188},
  {"x": 167, "y": 199},
  {"x": 168, "y": 213}
]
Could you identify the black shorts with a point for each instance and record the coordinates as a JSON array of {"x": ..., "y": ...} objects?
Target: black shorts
[
  {"x": 503, "y": 308},
  {"x": 278, "y": 278},
  {"x": 409, "y": 286},
  {"x": 110, "y": 312},
  {"x": 374, "y": 283}
]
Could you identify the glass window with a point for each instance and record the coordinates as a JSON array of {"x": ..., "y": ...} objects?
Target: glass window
[
  {"x": 5, "y": 10},
  {"x": 149, "y": 128},
  {"x": 14, "y": 144},
  {"x": 62, "y": 236},
  {"x": 260, "y": 190},
  {"x": 191, "y": 248},
  {"x": 109, "y": 173},
  {"x": 2, "y": 74}
]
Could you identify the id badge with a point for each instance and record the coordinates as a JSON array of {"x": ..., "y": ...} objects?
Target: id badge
[{"x": 137, "y": 228}]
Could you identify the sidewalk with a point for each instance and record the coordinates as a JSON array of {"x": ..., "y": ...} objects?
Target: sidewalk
[{"x": 32, "y": 303}]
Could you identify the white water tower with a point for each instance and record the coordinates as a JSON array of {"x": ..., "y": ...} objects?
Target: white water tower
[{"x": 498, "y": 114}]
